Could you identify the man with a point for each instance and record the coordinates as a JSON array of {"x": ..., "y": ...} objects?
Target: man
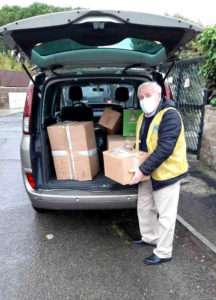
[{"x": 160, "y": 132}]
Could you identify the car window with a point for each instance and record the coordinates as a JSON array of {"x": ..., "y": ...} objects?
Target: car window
[
  {"x": 49, "y": 101},
  {"x": 149, "y": 47},
  {"x": 98, "y": 94},
  {"x": 95, "y": 93}
]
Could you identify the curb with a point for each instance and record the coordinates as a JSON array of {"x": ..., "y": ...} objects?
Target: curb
[{"x": 198, "y": 235}]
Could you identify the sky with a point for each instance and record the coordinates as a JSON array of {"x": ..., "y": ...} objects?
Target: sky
[{"x": 204, "y": 11}]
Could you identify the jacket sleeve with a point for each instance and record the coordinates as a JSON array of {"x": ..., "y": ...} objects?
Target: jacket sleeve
[{"x": 168, "y": 133}]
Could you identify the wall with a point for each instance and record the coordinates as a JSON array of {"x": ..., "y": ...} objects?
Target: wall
[
  {"x": 208, "y": 144},
  {"x": 12, "y": 82},
  {"x": 4, "y": 101},
  {"x": 13, "y": 78}
]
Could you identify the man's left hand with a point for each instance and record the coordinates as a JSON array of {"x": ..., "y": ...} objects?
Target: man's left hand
[{"x": 138, "y": 176}]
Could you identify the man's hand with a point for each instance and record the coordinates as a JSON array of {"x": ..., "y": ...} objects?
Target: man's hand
[{"x": 138, "y": 176}]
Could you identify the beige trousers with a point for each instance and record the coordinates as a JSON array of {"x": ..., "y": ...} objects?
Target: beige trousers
[{"x": 154, "y": 229}]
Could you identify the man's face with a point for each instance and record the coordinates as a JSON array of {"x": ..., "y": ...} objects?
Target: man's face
[{"x": 148, "y": 91}]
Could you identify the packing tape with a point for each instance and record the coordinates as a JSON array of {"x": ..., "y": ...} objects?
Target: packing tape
[
  {"x": 73, "y": 166},
  {"x": 68, "y": 136},
  {"x": 136, "y": 163},
  {"x": 73, "y": 169},
  {"x": 121, "y": 152},
  {"x": 59, "y": 153},
  {"x": 89, "y": 152}
]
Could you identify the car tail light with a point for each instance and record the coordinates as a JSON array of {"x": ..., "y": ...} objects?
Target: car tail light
[
  {"x": 168, "y": 92},
  {"x": 108, "y": 100},
  {"x": 27, "y": 110},
  {"x": 31, "y": 180}
]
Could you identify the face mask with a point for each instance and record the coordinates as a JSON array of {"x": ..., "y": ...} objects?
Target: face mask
[{"x": 149, "y": 105}]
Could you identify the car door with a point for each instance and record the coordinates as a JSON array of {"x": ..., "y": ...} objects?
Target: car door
[{"x": 81, "y": 38}]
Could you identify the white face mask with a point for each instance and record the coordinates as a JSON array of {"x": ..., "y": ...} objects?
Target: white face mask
[{"x": 149, "y": 105}]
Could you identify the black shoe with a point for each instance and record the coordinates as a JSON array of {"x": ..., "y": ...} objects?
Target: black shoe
[
  {"x": 141, "y": 243},
  {"x": 155, "y": 260}
]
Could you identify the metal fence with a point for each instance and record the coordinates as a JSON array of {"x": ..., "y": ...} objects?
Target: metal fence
[{"x": 187, "y": 86}]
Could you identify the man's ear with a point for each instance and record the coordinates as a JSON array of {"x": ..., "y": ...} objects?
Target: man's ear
[{"x": 159, "y": 97}]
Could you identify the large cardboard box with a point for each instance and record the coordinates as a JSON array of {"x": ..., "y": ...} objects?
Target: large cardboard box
[
  {"x": 118, "y": 162},
  {"x": 110, "y": 121},
  {"x": 117, "y": 140},
  {"x": 75, "y": 165},
  {"x": 74, "y": 150},
  {"x": 130, "y": 117},
  {"x": 76, "y": 136},
  {"x": 62, "y": 164}
]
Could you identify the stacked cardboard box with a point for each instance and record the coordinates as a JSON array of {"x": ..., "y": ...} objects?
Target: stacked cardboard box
[
  {"x": 117, "y": 140},
  {"x": 110, "y": 121},
  {"x": 74, "y": 150},
  {"x": 118, "y": 162}
]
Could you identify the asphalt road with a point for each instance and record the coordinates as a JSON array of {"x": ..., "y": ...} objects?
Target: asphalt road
[{"x": 90, "y": 255}]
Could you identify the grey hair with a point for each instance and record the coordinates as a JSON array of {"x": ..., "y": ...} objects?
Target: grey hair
[{"x": 154, "y": 84}]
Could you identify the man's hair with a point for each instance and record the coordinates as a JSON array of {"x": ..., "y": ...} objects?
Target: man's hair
[{"x": 154, "y": 84}]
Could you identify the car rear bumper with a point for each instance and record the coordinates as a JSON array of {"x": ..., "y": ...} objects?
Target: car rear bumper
[{"x": 80, "y": 199}]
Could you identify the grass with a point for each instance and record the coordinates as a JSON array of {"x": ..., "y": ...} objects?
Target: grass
[
  {"x": 117, "y": 230},
  {"x": 203, "y": 170},
  {"x": 120, "y": 232}
]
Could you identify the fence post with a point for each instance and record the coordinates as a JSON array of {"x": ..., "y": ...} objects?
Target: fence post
[
  {"x": 180, "y": 77},
  {"x": 205, "y": 101}
]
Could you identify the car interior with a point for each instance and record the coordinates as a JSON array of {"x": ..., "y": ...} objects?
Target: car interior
[{"x": 63, "y": 101}]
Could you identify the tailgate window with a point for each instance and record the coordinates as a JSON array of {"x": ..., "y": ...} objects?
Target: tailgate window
[{"x": 132, "y": 44}]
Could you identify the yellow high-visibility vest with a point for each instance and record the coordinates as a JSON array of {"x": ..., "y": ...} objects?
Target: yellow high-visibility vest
[{"x": 176, "y": 164}]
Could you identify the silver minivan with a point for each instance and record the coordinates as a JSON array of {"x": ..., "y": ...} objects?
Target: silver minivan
[{"x": 102, "y": 56}]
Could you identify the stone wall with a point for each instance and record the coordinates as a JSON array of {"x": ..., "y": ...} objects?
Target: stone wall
[
  {"x": 208, "y": 144},
  {"x": 4, "y": 101}
]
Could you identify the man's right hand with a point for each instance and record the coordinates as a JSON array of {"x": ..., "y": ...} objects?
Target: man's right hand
[{"x": 138, "y": 176}]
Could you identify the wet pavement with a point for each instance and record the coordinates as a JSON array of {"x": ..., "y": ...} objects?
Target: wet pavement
[
  {"x": 197, "y": 203},
  {"x": 9, "y": 111},
  {"x": 90, "y": 255}
]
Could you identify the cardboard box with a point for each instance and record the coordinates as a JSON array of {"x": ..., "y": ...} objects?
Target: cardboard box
[
  {"x": 110, "y": 121},
  {"x": 117, "y": 140},
  {"x": 118, "y": 162},
  {"x": 76, "y": 136},
  {"x": 62, "y": 164},
  {"x": 130, "y": 117},
  {"x": 78, "y": 165},
  {"x": 74, "y": 150}
]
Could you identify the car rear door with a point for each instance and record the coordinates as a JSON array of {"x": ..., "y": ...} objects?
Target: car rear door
[{"x": 67, "y": 37}]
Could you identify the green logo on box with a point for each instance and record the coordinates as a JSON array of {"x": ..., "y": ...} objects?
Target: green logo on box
[{"x": 130, "y": 117}]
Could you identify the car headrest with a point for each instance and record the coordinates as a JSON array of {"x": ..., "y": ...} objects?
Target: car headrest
[
  {"x": 121, "y": 94},
  {"x": 75, "y": 93}
]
